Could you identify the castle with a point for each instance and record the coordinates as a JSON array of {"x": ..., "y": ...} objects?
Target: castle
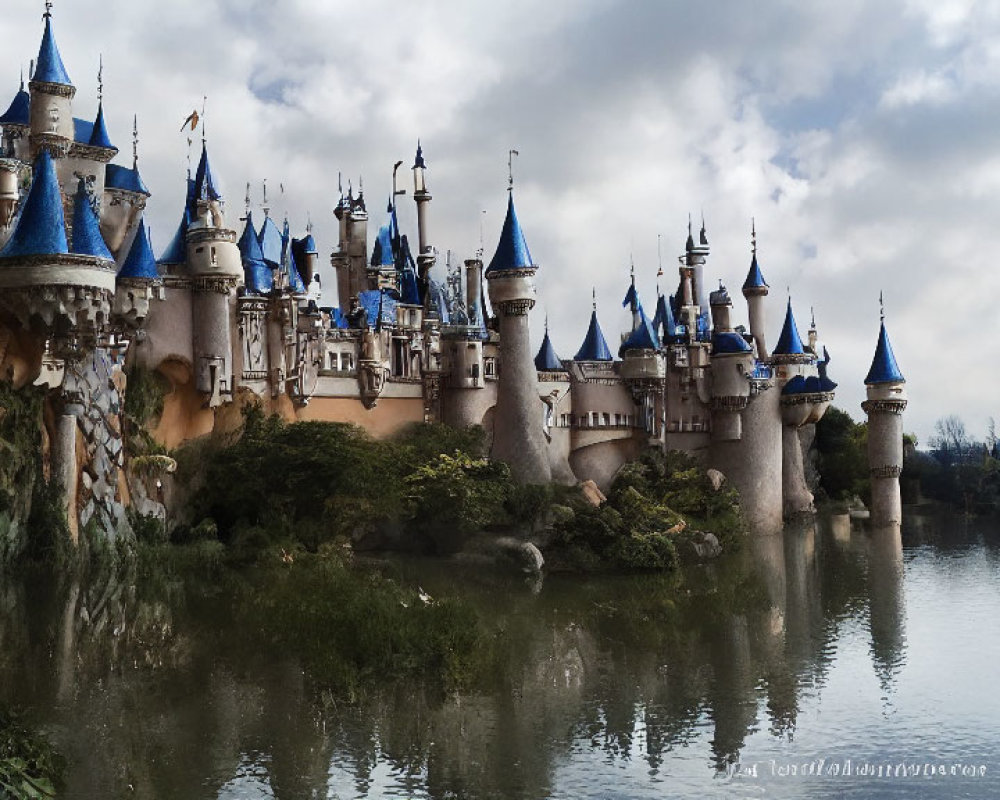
[{"x": 233, "y": 313}]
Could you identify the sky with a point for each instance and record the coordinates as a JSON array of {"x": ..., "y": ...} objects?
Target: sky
[{"x": 860, "y": 136}]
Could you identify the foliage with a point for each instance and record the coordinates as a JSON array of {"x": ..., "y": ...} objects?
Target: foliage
[
  {"x": 145, "y": 391},
  {"x": 457, "y": 493},
  {"x": 20, "y": 463},
  {"x": 29, "y": 767},
  {"x": 842, "y": 445},
  {"x": 651, "y": 502}
]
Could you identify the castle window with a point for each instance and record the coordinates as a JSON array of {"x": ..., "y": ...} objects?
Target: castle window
[
  {"x": 215, "y": 258},
  {"x": 618, "y": 420},
  {"x": 606, "y": 419},
  {"x": 490, "y": 367},
  {"x": 346, "y": 362}
]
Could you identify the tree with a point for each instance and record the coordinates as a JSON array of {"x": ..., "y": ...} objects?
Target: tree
[{"x": 950, "y": 438}]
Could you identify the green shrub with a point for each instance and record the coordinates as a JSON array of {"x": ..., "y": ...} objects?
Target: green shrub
[{"x": 29, "y": 766}]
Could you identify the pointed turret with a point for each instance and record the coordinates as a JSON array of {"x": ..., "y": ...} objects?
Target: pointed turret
[
  {"x": 49, "y": 67},
  {"x": 258, "y": 278},
  {"x": 595, "y": 346},
  {"x": 884, "y": 368},
  {"x": 19, "y": 111},
  {"x": 99, "y": 136},
  {"x": 87, "y": 239},
  {"x": 885, "y": 388},
  {"x": 512, "y": 249},
  {"x": 643, "y": 337},
  {"x": 270, "y": 243},
  {"x": 295, "y": 284},
  {"x": 789, "y": 343},
  {"x": 41, "y": 227},
  {"x": 755, "y": 283},
  {"x": 546, "y": 360},
  {"x": 176, "y": 251},
  {"x": 204, "y": 183},
  {"x": 140, "y": 264}
]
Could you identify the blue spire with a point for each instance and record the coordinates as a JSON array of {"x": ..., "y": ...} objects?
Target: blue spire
[
  {"x": 512, "y": 249},
  {"x": 547, "y": 360},
  {"x": 176, "y": 252},
  {"x": 382, "y": 250},
  {"x": 663, "y": 320},
  {"x": 288, "y": 260},
  {"x": 789, "y": 343},
  {"x": 257, "y": 277},
  {"x": 884, "y": 368},
  {"x": 140, "y": 265},
  {"x": 99, "y": 136},
  {"x": 418, "y": 162},
  {"x": 19, "y": 112},
  {"x": 594, "y": 347},
  {"x": 644, "y": 336},
  {"x": 631, "y": 298},
  {"x": 49, "y": 68},
  {"x": 41, "y": 227},
  {"x": 409, "y": 290},
  {"x": 755, "y": 280},
  {"x": 270, "y": 243},
  {"x": 729, "y": 342},
  {"x": 87, "y": 239},
  {"x": 204, "y": 183}
]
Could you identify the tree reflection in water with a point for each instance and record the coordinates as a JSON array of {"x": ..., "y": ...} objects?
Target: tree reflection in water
[{"x": 159, "y": 688}]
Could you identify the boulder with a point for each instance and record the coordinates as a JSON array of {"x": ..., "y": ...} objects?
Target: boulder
[
  {"x": 592, "y": 494},
  {"x": 716, "y": 478}
]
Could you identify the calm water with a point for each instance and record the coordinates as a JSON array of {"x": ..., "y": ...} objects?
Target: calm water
[{"x": 822, "y": 650}]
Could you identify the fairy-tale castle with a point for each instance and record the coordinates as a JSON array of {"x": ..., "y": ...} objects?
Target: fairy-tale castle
[{"x": 232, "y": 313}]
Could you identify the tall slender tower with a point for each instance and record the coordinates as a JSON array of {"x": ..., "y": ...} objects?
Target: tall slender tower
[
  {"x": 885, "y": 404},
  {"x": 755, "y": 290},
  {"x": 518, "y": 436}
]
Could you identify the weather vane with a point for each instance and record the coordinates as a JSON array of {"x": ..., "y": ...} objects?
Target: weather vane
[
  {"x": 100, "y": 77},
  {"x": 48, "y": 9},
  {"x": 594, "y": 293},
  {"x": 135, "y": 141},
  {"x": 881, "y": 307},
  {"x": 753, "y": 235},
  {"x": 510, "y": 169}
]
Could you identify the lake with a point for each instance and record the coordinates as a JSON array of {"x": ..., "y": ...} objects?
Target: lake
[{"x": 826, "y": 662}]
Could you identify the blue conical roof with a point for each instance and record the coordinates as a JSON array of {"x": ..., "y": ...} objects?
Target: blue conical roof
[
  {"x": 204, "y": 183},
  {"x": 595, "y": 346},
  {"x": 729, "y": 342},
  {"x": 884, "y": 368},
  {"x": 176, "y": 252},
  {"x": 87, "y": 239},
  {"x": 643, "y": 337},
  {"x": 409, "y": 289},
  {"x": 789, "y": 343},
  {"x": 270, "y": 243},
  {"x": 99, "y": 136},
  {"x": 125, "y": 178},
  {"x": 288, "y": 260},
  {"x": 41, "y": 227},
  {"x": 139, "y": 263},
  {"x": 49, "y": 68},
  {"x": 663, "y": 320},
  {"x": 512, "y": 249},
  {"x": 19, "y": 112},
  {"x": 382, "y": 249},
  {"x": 755, "y": 279},
  {"x": 547, "y": 360},
  {"x": 309, "y": 245},
  {"x": 257, "y": 276}
]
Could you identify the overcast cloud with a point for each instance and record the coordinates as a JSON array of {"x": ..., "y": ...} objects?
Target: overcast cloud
[{"x": 860, "y": 135}]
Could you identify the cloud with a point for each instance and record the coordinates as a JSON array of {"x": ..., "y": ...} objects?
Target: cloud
[{"x": 860, "y": 136}]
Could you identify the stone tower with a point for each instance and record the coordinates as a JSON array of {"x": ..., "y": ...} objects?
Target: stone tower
[
  {"x": 518, "y": 438},
  {"x": 886, "y": 400},
  {"x": 215, "y": 267}
]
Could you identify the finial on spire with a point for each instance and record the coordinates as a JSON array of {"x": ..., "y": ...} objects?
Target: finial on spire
[
  {"x": 594, "y": 292},
  {"x": 135, "y": 141},
  {"x": 482, "y": 221},
  {"x": 48, "y": 9},
  {"x": 703, "y": 234},
  {"x": 204, "y": 102},
  {"x": 247, "y": 199},
  {"x": 881, "y": 307},
  {"x": 22, "y": 77},
  {"x": 309, "y": 223},
  {"x": 659, "y": 257},
  {"x": 100, "y": 77},
  {"x": 812, "y": 321},
  {"x": 546, "y": 322},
  {"x": 510, "y": 169},
  {"x": 264, "y": 205},
  {"x": 689, "y": 223},
  {"x": 753, "y": 236},
  {"x": 31, "y": 69},
  {"x": 361, "y": 186},
  {"x": 189, "y": 157},
  {"x": 340, "y": 185},
  {"x": 631, "y": 269}
]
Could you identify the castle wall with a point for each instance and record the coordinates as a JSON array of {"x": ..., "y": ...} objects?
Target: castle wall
[
  {"x": 796, "y": 497},
  {"x": 463, "y": 407},
  {"x": 388, "y": 417},
  {"x": 754, "y": 463},
  {"x": 600, "y": 462},
  {"x": 168, "y": 333}
]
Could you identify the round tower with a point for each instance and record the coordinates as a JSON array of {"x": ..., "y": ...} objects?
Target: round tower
[
  {"x": 52, "y": 92},
  {"x": 755, "y": 290},
  {"x": 518, "y": 437},
  {"x": 216, "y": 269},
  {"x": 886, "y": 401}
]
